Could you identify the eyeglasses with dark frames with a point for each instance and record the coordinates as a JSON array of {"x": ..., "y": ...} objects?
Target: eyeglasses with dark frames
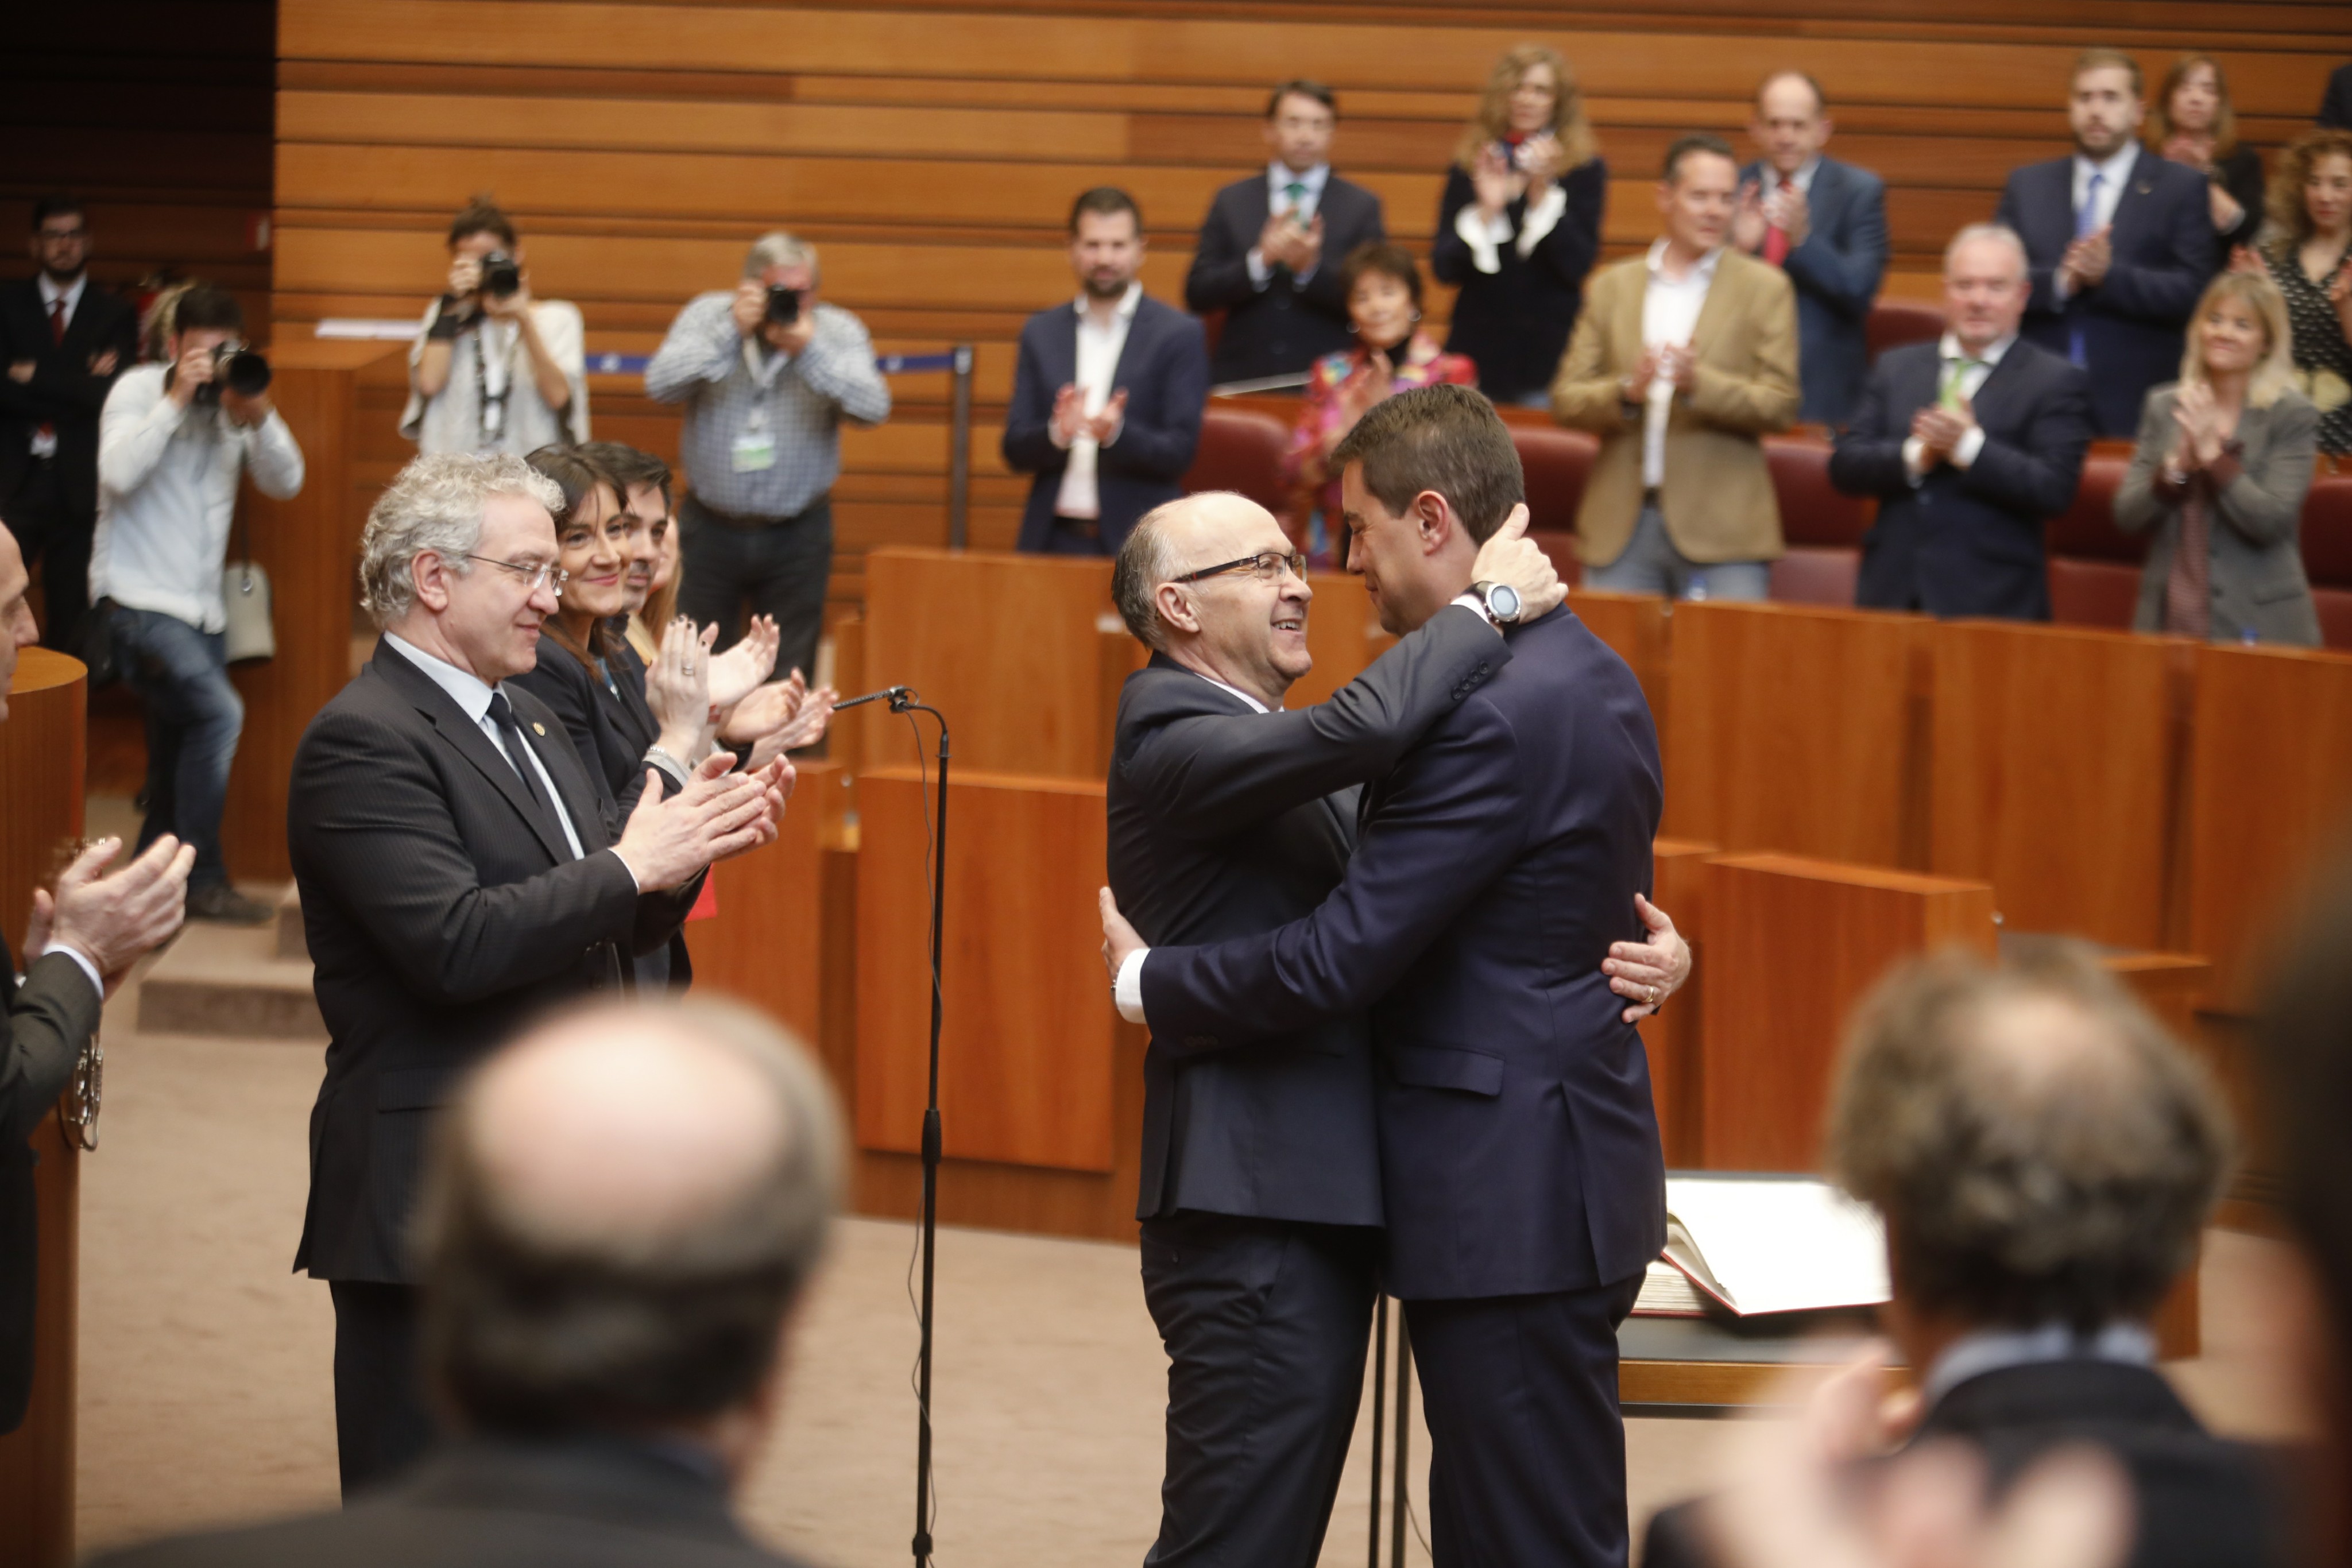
[
  {"x": 1265, "y": 565},
  {"x": 532, "y": 572}
]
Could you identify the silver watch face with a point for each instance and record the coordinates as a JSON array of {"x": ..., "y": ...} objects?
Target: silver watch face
[{"x": 1503, "y": 602}]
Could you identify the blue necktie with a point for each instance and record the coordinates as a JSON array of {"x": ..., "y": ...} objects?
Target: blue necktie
[{"x": 2086, "y": 222}]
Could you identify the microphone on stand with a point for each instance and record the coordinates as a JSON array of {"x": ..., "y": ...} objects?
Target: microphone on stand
[{"x": 897, "y": 696}]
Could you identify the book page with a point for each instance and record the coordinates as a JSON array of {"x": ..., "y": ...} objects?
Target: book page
[{"x": 1778, "y": 1244}]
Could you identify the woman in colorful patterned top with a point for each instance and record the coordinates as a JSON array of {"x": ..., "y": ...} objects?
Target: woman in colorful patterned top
[{"x": 1392, "y": 355}]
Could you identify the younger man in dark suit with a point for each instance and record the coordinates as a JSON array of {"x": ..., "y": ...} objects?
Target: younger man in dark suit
[
  {"x": 1824, "y": 224},
  {"x": 1970, "y": 444},
  {"x": 63, "y": 340},
  {"x": 615, "y": 1237},
  {"x": 1271, "y": 246},
  {"x": 2120, "y": 243},
  {"x": 1106, "y": 392},
  {"x": 2044, "y": 1158},
  {"x": 1523, "y": 1187}
]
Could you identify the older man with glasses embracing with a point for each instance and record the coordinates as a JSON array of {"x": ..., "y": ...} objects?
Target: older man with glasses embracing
[{"x": 1231, "y": 815}]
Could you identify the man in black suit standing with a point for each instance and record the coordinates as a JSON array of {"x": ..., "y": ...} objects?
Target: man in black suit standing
[
  {"x": 2336, "y": 107},
  {"x": 1824, "y": 224},
  {"x": 63, "y": 341},
  {"x": 2120, "y": 243},
  {"x": 1106, "y": 392},
  {"x": 80, "y": 941},
  {"x": 2044, "y": 1157},
  {"x": 614, "y": 1240},
  {"x": 1522, "y": 1181},
  {"x": 1971, "y": 444},
  {"x": 457, "y": 875},
  {"x": 1271, "y": 246}
]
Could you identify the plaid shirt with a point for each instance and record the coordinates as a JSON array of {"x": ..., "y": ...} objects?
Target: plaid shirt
[{"x": 801, "y": 401}]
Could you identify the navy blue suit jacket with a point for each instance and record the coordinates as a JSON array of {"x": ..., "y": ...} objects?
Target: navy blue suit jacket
[
  {"x": 2133, "y": 321},
  {"x": 1965, "y": 541},
  {"x": 1287, "y": 326},
  {"x": 1518, "y": 1144},
  {"x": 1226, "y": 821},
  {"x": 1164, "y": 370},
  {"x": 1836, "y": 273}
]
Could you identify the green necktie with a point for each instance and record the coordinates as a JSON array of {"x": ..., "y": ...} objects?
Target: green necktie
[
  {"x": 1296, "y": 192},
  {"x": 1949, "y": 398}
]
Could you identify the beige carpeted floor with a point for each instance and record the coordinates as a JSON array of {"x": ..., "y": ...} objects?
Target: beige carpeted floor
[{"x": 206, "y": 1363}]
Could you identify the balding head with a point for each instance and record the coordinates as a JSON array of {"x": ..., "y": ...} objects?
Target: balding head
[
  {"x": 1241, "y": 627},
  {"x": 622, "y": 1208}
]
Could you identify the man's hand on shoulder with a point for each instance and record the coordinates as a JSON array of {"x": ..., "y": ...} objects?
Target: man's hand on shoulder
[
  {"x": 716, "y": 816},
  {"x": 113, "y": 921},
  {"x": 1511, "y": 557}
]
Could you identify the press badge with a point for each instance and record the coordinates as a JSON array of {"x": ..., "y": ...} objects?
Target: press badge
[{"x": 754, "y": 450}]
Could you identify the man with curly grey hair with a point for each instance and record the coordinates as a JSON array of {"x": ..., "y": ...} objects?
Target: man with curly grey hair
[
  {"x": 2044, "y": 1157},
  {"x": 458, "y": 874}
]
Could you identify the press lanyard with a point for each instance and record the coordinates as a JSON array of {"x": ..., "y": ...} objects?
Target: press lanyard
[{"x": 491, "y": 403}]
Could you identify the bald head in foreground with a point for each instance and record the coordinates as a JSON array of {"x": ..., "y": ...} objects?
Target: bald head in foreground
[{"x": 617, "y": 1224}]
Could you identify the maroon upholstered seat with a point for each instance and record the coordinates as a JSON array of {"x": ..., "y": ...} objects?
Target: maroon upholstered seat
[
  {"x": 1817, "y": 574},
  {"x": 2094, "y": 565},
  {"x": 1556, "y": 463},
  {"x": 1894, "y": 323},
  {"x": 1241, "y": 449},
  {"x": 2327, "y": 555},
  {"x": 1813, "y": 510},
  {"x": 2084, "y": 591}
]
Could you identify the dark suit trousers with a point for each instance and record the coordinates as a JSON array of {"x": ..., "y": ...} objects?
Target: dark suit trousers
[
  {"x": 1266, "y": 1323},
  {"x": 780, "y": 569},
  {"x": 382, "y": 1424},
  {"x": 52, "y": 530},
  {"x": 1526, "y": 1446}
]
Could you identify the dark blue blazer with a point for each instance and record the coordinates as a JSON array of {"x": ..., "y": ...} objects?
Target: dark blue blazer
[
  {"x": 1966, "y": 542},
  {"x": 1224, "y": 823},
  {"x": 1287, "y": 326},
  {"x": 1836, "y": 273},
  {"x": 2335, "y": 108},
  {"x": 2132, "y": 322},
  {"x": 1499, "y": 859},
  {"x": 1164, "y": 368}
]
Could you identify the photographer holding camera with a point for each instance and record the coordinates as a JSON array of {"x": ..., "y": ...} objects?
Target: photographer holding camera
[
  {"x": 171, "y": 443},
  {"x": 495, "y": 370},
  {"x": 767, "y": 375}
]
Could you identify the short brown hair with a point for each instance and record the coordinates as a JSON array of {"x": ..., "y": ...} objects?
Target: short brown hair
[
  {"x": 2225, "y": 119},
  {"x": 1105, "y": 200},
  {"x": 628, "y": 466},
  {"x": 1301, "y": 87},
  {"x": 1691, "y": 145},
  {"x": 2070, "y": 1191},
  {"x": 2283, "y": 202},
  {"x": 1444, "y": 438},
  {"x": 2102, "y": 58},
  {"x": 482, "y": 216},
  {"x": 1382, "y": 256}
]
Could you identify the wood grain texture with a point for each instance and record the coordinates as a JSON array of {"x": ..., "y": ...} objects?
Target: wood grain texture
[
  {"x": 1026, "y": 1053},
  {"x": 2051, "y": 774},
  {"x": 41, "y": 749},
  {"x": 766, "y": 945},
  {"x": 1792, "y": 945},
  {"x": 1634, "y": 627},
  {"x": 1672, "y": 1037}
]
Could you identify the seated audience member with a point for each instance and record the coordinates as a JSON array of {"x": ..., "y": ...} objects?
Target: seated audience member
[
  {"x": 458, "y": 873},
  {"x": 2044, "y": 1158},
  {"x": 1106, "y": 392},
  {"x": 1392, "y": 355},
  {"x": 1824, "y": 224},
  {"x": 1519, "y": 223},
  {"x": 615, "y": 1237},
  {"x": 2194, "y": 125},
  {"x": 2223, "y": 462},
  {"x": 84, "y": 933},
  {"x": 1684, "y": 357},
  {"x": 2336, "y": 107},
  {"x": 172, "y": 442},
  {"x": 769, "y": 374},
  {"x": 1269, "y": 247},
  {"x": 1971, "y": 444},
  {"x": 2120, "y": 243},
  {"x": 495, "y": 369},
  {"x": 649, "y": 594},
  {"x": 2309, "y": 256}
]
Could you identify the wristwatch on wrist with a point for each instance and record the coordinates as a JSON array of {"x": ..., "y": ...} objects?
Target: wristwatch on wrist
[{"x": 1502, "y": 602}]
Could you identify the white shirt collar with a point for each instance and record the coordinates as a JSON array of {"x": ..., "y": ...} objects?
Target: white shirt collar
[
  {"x": 1704, "y": 271},
  {"x": 1994, "y": 1350},
  {"x": 1127, "y": 303},
  {"x": 463, "y": 688},
  {"x": 1279, "y": 179},
  {"x": 1803, "y": 178},
  {"x": 1949, "y": 348},
  {"x": 70, "y": 293},
  {"x": 2116, "y": 169},
  {"x": 1255, "y": 705}
]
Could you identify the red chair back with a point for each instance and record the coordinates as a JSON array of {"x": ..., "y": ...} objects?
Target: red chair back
[
  {"x": 1813, "y": 510},
  {"x": 1894, "y": 323},
  {"x": 1557, "y": 462},
  {"x": 1241, "y": 449},
  {"x": 2327, "y": 555}
]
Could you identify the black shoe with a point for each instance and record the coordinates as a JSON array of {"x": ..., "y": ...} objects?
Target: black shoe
[{"x": 223, "y": 902}]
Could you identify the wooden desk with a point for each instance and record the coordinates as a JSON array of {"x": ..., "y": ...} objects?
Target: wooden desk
[
  {"x": 41, "y": 752},
  {"x": 1792, "y": 944},
  {"x": 1800, "y": 730},
  {"x": 2053, "y": 775},
  {"x": 1695, "y": 1366}
]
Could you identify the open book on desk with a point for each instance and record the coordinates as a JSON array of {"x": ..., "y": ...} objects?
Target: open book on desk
[{"x": 1748, "y": 1246}]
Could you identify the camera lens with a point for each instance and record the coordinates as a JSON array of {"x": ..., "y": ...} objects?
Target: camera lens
[
  {"x": 783, "y": 305},
  {"x": 500, "y": 275}
]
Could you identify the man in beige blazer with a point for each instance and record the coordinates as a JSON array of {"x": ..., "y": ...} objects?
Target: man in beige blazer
[{"x": 1683, "y": 358}]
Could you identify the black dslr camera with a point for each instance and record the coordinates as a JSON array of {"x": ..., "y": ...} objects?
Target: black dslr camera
[
  {"x": 783, "y": 305},
  {"x": 501, "y": 275},
  {"x": 237, "y": 366}
]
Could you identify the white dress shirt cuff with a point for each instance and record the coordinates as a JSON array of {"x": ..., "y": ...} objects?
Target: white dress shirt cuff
[
  {"x": 1128, "y": 989},
  {"x": 1484, "y": 239},
  {"x": 1964, "y": 451},
  {"x": 1260, "y": 273},
  {"x": 634, "y": 879},
  {"x": 1542, "y": 218},
  {"x": 2061, "y": 288},
  {"x": 97, "y": 980},
  {"x": 1471, "y": 602},
  {"x": 1915, "y": 460}
]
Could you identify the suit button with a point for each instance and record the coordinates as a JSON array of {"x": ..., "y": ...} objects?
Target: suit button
[{"x": 1484, "y": 668}]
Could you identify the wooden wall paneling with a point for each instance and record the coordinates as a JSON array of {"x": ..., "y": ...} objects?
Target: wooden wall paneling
[
  {"x": 1340, "y": 625},
  {"x": 309, "y": 545},
  {"x": 1004, "y": 645},
  {"x": 1117, "y": 656},
  {"x": 2270, "y": 787},
  {"x": 1679, "y": 879},
  {"x": 41, "y": 751},
  {"x": 1792, "y": 945},
  {"x": 1793, "y": 730},
  {"x": 1635, "y": 626},
  {"x": 766, "y": 942},
  {"x": 1026, "y": 1055},
  {"x": 2052, "y": 777}
]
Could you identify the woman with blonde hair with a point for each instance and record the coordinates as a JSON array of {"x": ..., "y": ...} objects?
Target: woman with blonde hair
[
  {"x": 2223, "y": 461},
  {"x": 2191, "y": 123},
  {"x": 2308, "y": 255},
  {"x": 1519, "y": 224}
]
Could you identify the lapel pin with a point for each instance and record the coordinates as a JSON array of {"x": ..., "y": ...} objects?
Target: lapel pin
[{"x": 537, "y": 727}]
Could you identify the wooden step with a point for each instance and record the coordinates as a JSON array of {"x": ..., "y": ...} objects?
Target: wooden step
[{"x": 231, "y": 981}]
